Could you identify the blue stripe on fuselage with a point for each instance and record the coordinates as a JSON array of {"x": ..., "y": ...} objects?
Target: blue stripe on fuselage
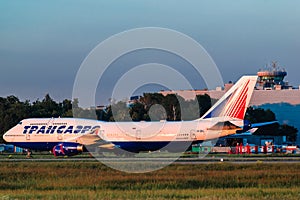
[
  {"x": 175, "y": 146},
  {"x": 41, "y": 146}
]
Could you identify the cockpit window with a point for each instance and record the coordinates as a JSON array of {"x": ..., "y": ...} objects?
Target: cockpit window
[{"x": 20, "y": 122}]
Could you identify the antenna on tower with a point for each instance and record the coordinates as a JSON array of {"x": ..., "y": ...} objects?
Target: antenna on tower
[{"x": 274, "y": 64}]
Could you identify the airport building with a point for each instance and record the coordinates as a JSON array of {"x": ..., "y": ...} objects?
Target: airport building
[{"x": 270, "y": 84}]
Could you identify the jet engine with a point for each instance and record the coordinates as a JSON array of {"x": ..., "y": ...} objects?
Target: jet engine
[{"x": 67, "y": 149}]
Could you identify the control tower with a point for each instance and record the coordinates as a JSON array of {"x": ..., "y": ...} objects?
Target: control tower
[{"x": 271, "y": 78}]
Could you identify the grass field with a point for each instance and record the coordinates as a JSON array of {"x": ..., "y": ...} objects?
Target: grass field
[{"x": 92, "y": 180}]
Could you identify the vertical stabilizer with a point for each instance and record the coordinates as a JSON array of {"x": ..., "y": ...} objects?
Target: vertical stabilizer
[{"x": 235, "y": 101}]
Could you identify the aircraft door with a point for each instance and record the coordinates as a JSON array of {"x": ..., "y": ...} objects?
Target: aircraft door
[
  {"x": 101, "y": 134},
  {"x": 50, "y": 122},
  {"x": 59, "y": 137},
  {"x": 193, "y": 135},
  {"x": 138, "y": 134}
]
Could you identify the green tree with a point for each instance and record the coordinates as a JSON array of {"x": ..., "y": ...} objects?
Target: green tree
[
  {"x": 172, "y": 107},
  {"x": 66, "y": 108},
  {"x": 137, "y": 112},
  {"x": 12, "y": 110},
  {"x": 257, "y": 115},
  {"x": 205, "y": 102}
]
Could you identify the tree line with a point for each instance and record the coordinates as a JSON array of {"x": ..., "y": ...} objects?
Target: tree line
[{"x": 149, "y": 107}]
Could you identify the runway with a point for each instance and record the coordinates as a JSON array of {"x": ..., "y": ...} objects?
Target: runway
[{"x": 183, "y": 161}]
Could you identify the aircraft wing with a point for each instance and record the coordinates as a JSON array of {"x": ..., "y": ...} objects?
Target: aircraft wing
[{"x": 91, "y": 139}]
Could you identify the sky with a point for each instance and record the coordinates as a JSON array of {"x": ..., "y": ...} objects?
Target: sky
[{"x": 43, "y": 43}]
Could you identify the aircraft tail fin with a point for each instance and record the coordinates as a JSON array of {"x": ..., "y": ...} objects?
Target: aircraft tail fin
[{"x": 235, "y": 101}]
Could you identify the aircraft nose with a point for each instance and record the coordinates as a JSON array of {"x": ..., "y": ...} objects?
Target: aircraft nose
[{"x": 7, "y": 136}]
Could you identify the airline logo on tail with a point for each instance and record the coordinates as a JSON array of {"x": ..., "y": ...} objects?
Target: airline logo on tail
[
  {"x": 236, "y": 106},
  {"x": 236, "y": 100}
]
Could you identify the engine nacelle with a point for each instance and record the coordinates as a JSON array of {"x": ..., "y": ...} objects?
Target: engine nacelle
[{"x": 67, "y": 149}]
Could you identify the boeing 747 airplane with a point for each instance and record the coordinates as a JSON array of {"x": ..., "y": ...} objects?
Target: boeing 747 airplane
[{"x": 68, "y": 136}]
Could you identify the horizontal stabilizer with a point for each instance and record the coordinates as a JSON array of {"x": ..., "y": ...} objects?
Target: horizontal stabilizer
[{"x": 263, "y": 124}]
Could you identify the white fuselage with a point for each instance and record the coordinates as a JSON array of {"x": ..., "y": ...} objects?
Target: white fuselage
[{"x": 44, "y": 133}]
